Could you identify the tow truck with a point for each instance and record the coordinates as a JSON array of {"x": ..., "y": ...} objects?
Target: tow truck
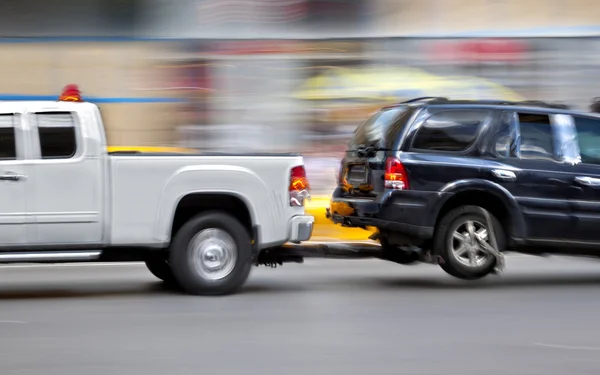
[{"x": 200, "y": 221}]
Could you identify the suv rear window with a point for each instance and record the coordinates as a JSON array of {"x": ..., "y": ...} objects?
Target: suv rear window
[
  {"x": 380, "y": 130},
  {"x": 452, "y": 130}
]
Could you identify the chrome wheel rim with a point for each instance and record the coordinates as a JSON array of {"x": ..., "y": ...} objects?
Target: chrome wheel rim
[
  {"x": 214, "y": 253},
  {"x": 467, "y": 243}
]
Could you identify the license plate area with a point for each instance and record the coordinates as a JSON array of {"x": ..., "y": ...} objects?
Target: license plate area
[{"x": 357, "y": 175}]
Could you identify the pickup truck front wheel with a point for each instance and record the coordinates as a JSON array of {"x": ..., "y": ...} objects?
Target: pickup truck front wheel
[{"x": 211, "y": 255}]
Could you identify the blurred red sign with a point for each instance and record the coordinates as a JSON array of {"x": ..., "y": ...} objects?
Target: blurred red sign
[{"x": 480, "y": 50}]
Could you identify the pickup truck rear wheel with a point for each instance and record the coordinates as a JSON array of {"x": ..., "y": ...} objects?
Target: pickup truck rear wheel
[
  {"x": 158, "y": 265},
  {"x": 458, "y": 238},
  {"x": 211, "y": 254}
]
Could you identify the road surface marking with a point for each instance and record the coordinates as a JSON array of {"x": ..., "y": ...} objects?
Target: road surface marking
[
  {"x": 11, "y": 322},
  {"x": 568, "y": 347}
]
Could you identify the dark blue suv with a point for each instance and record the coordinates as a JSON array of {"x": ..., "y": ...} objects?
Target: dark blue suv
[{"x": 434, "y": 175}]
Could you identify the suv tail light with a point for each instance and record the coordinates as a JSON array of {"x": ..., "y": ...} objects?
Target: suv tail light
[
  {"x": 299, "y": 189},
  {"x": 395, "y": 176},
  {"x": 340, "y": 174}
]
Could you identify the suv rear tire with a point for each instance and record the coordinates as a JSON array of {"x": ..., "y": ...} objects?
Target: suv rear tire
[
  {"x": 453, "y": 242},
  {"x": 211, "y": 254}
]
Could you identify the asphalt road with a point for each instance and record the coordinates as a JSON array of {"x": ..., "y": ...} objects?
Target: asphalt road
[{"x": 322, "y": 317}]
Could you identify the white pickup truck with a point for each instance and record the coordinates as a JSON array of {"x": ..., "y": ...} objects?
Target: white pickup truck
[{"x": 200, "y": 221}]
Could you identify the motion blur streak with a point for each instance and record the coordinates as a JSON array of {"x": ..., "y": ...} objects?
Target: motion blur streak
[{"x": 290, "y": 75}]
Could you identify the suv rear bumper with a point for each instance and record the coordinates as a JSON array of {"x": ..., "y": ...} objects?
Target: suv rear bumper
[{"x": 402, "y": 217}]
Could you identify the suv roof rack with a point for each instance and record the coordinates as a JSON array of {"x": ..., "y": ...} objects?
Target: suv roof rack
[
  {"x": 539, "y": 103},
  {"x": 422, "y": 98},
  {"x": 528, "y": 103}
]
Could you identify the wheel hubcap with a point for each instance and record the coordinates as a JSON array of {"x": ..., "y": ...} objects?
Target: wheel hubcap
[
  {"x": 467, "y": 243},
  {"x": 213, "y": 253}
]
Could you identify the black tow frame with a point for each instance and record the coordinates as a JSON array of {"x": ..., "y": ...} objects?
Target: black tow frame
[{"x": 296, "y": 253}]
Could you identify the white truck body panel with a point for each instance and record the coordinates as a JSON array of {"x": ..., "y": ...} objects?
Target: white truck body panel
[
  {"x": 260, "y": 182},
  {"x": 94, "y": 199}
]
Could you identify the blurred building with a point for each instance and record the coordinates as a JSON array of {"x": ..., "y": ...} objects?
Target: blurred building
[
  {"x": 163, "y": 70},
  {"x": 477, "y": 18}
]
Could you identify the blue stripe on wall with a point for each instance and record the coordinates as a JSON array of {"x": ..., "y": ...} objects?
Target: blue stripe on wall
[
  {"x": 80, "y": 39},
  {"x": 93, "y": 99}
]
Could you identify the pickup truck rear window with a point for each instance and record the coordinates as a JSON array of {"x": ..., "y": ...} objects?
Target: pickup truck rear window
[
  {"x": 8, "y": 149},
  {"x": 380, "y": 130},
  {"x": 57, "y": 135}
]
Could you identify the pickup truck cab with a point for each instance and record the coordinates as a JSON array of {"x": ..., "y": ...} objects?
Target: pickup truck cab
[{"x": 199, "y": 221}]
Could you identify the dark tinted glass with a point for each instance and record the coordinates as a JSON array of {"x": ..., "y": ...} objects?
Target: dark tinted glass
[
  {"x": 454, "y": 130},
  {"x": 57, "y": 135},
  {"x": 537, "y": 140},
  {"x": 380, "y": 129},
  {"x": 505, "y": 138},
  {"x": 588, "y": 136},
  {"x": 8, "y": 149}
]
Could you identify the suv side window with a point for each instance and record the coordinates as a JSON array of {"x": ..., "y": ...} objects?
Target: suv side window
[
  {"x": 58, "y": 139},
  {"x": 506, "y": 136},
  {"x": 8, "y": 139},
  {"x": 452, "y": 130},
  {"x": 537, "y": 138},
  {"x": 588, "y": 137}
]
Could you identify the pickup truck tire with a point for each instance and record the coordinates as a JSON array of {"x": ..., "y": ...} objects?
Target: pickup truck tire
[
  {"x": 158, "y": 265},
  {"x": 211, "y": 254},
  {"x": 452, "y": 242}
]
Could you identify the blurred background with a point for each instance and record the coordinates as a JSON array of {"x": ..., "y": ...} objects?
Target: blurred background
[{"x": 290, "y": 75}]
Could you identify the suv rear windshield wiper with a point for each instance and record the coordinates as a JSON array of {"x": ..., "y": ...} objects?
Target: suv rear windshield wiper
[{"x": 366, "y": 151}]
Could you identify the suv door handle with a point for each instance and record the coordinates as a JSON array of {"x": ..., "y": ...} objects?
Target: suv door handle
[
  {"x": 588, "y": 181},
  {"x": 504, "y": 174},
  {"x": 10, "y": 176}
]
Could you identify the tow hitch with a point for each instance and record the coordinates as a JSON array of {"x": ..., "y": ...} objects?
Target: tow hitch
[{"x": 295, "y": 253}]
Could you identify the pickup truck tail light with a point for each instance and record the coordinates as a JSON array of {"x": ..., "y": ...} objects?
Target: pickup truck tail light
[
  {"x": 395, "y": 176},
  {"x": 299, "y": 189}
]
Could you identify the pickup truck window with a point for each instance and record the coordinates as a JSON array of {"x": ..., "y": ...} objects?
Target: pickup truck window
[
  {"x": 588, "y": 136},
  {"x": 537, "y": 139},
  {"x": 8, "y": 147},
  {"x": 58, "y": 139}
]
